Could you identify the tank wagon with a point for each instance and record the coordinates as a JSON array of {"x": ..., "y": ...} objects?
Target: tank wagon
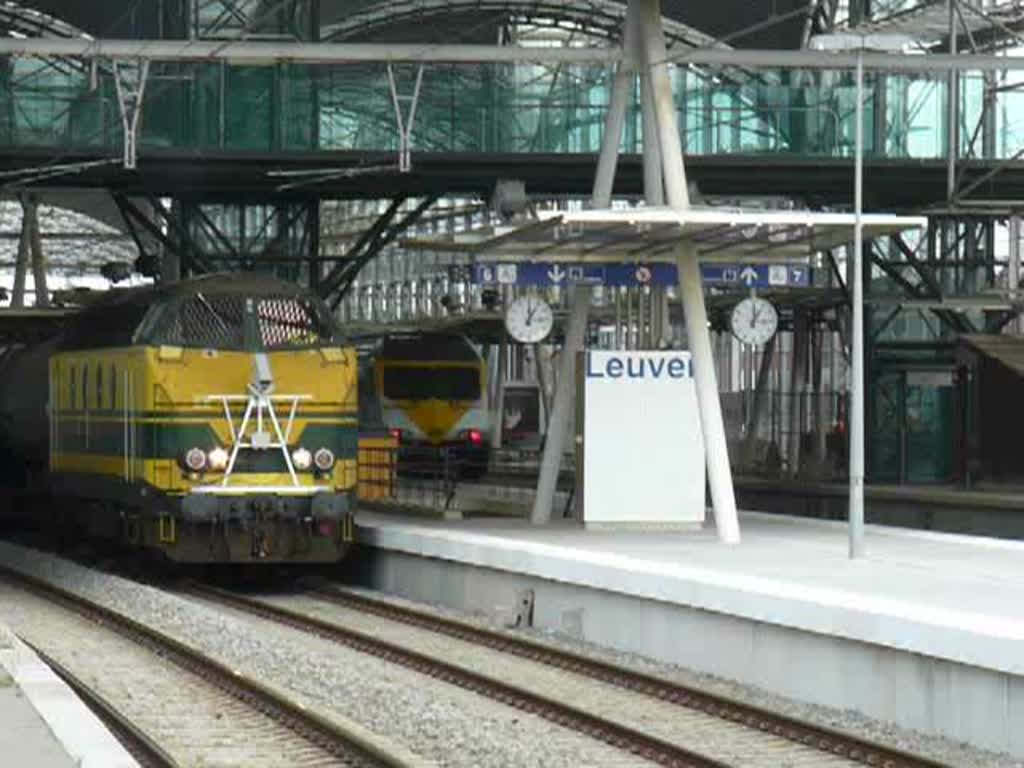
[
  {"x": 213, "y": 420},
  {"x": 429, "y": 390}
]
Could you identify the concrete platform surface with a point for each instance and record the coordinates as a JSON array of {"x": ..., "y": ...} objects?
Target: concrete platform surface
[
  {"x": 43, "y": 724},
  {"x": 926, "y": 631},
  {"x": 24, "y": 737}
]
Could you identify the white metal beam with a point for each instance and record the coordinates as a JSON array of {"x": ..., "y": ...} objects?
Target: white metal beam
[
  {"x": 261, "y": 52},
  {"x": 888, "y": 62}
]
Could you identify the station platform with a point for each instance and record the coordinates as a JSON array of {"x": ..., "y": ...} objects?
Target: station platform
[
  {"x": 44, "y": 724},
  {"x": 926, "y": 632}
]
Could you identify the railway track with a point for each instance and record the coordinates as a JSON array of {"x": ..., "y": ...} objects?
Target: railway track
[
  {"x": 147, "y": 753},
  {"x": 280, "y": 726},
  {"x": 805, "y": 740}
]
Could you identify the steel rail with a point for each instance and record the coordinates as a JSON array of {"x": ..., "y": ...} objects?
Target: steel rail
[
  {"x": 622, "y": 737},
  {"x": 352, "y": 748},
  {"x": 137, "y": 742},
  {"x": 820, "y": 737}
]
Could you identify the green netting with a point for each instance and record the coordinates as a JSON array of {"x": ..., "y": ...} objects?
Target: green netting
[{"x": 493, "y": 108}]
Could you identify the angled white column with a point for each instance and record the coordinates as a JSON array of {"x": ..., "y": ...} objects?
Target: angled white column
[
  {"x": 22, "y": 259},
  {"x": 691, "y": 288},
  {"x": 654, "y": 187},
  {"x": 498, "y": 408},
  {"x": 691, "y": 291},
  {"x": 42, "y": 292},
  {"x": 558, "y": 425},
  {"x": 656, "y": 70},
  {"x": 565, "y": 384}
]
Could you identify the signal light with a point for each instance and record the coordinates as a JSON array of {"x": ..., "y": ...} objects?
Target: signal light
[
  {"x": 395, "y": 433},
  {"x": 324, "y": 459},
  {"x": 217, "y": 459},
  {"x": 194, "y": 460},
  {"x": 475, "y": 436},
  {"x": 302, "y": 459}
]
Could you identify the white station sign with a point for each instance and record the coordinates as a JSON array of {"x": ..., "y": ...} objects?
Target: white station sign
[{"x": 643, "y": 445}]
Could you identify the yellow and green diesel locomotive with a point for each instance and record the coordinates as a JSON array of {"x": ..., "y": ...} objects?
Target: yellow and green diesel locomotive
[{"x": 213, "y": 420}]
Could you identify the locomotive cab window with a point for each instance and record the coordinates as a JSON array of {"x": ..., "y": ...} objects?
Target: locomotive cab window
[{"x": 432, "y": 383}]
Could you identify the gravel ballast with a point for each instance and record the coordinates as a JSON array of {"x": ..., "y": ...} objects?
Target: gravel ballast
[
  {"x": 433, "y": 719},
  {"x": 728, "y": 742},
  {"x": 937, "y": 748}
]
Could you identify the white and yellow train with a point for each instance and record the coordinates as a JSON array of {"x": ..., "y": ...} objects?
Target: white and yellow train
[{"x": 429, "y": 390}]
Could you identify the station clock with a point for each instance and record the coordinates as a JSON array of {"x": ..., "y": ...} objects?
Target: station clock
[
  {"x": 754, "y": 321},
  {"x": 529, "y": 319}
]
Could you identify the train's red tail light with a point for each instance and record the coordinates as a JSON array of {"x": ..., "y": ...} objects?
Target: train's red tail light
[{"x": 475, "y": 436}]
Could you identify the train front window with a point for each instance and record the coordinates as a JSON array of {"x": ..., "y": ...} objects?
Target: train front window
[
  {"x": 431, "y": 383},
  {"x": 238, "y": 321}
]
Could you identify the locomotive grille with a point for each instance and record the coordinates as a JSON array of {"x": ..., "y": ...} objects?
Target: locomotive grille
[
  {"x": 214, "y": 321},
  {"x": 286, "y": 322},
  {"x": 219, "y": 321}
]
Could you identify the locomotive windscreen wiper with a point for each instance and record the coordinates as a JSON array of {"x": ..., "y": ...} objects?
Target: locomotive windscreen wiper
[{"x": 223, "y": 323}]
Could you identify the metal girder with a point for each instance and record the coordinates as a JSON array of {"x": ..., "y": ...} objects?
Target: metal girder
[
  {"x": 926, "y": 274},
  {"x": 243, "y": 51},
  {"x": 260, "y": 52},
  {"x": 954, "y": 320},
  {"x": 139, "y": 223},
  {"x": 334, "y": 278},
  {"x": 381, "y": 237},
  {"x": 834, "y": 267},
  {"x": 812, "y": 59},
  {"x": 602, "y": 17}
]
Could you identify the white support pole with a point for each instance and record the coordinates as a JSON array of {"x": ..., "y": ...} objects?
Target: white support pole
[
  {"x": 21, "y": 262},
  {"x": 42, "y": 292},
  {"x": 952, "y": 108},
  {"x": 856, "y": 524},
  {"x": 1013, "y": 270},
  {"x": 499, "y": 392},
  {"x": 654, "y": 187},
  {"x": 656, "y": 69},
  {"x": 622, "y": 87},
  {"x": 691, "y": 292},
  {"x": 558, "y": 425},
  {"x": 691, "y": 288},
  {"x": 608, "y": 160}
]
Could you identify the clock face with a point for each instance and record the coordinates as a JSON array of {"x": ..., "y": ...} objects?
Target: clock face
[
  {"x": 754, "y": 321},
  {"x": 529, "y": 319}
]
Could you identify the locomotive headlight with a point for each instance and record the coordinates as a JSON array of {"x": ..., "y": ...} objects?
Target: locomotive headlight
[
  {"x": 302, "y": 458},
  {"x": 217, "y": 459},
  {"x": 324, "y": 459},
  {"x": 194, "y": 460}
]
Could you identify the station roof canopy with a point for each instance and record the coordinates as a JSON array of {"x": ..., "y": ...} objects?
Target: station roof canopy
[{"x": 652, "y": 234}]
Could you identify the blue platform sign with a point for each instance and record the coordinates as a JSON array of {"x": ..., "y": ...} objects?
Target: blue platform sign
[{"x": 547, "y": 274}]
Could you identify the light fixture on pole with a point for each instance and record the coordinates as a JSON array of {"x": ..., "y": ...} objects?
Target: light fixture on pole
[{"x": 846, "y": 42}]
